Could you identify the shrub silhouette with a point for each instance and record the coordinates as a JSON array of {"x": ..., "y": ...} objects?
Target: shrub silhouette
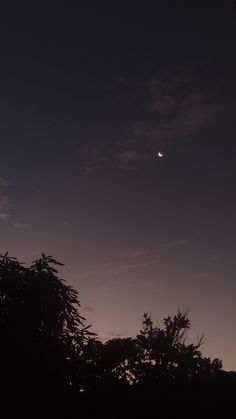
[{"x": 158, "y": 362}]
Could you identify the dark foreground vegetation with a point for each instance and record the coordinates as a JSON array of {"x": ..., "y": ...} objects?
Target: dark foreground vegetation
[{"x": 48, "y": 356}]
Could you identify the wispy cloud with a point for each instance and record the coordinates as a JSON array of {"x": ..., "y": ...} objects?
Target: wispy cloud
[
  {"x": 187, "y": 121},
  {"x": 137, "y": 253},
  {"x": 20, "y": 226},
  {"x": 128, "y": 157},
  {"x": 122, "y": 261},
  {"x": 114, "y": 269},
  {"x": 149, "y": 252},
  {"x": 4, "y": 216},
  {"x": 4, "y": 202},
  {"x": 93, "y": 158},
  {"x": 88, "y": 308},
  {"x": 3, "y": 183},
  {"x": 171, "y": 109}
]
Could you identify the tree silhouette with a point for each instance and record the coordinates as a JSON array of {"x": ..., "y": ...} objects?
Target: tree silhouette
[
  {"x": 41, "y": 330},
  {"x": 169, "y": 359},
  {"x": 159, "y": 361}
]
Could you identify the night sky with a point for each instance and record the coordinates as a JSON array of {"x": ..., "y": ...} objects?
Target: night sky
[{"x": 90, "y": 94}]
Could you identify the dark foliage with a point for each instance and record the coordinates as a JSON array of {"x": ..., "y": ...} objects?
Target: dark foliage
[
  {"x": 47, "y": 352},
  {"x": 41, "y": 331}
]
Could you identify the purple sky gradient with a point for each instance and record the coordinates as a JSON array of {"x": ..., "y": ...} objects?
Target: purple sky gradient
[{"x": 89, "y": 97}]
